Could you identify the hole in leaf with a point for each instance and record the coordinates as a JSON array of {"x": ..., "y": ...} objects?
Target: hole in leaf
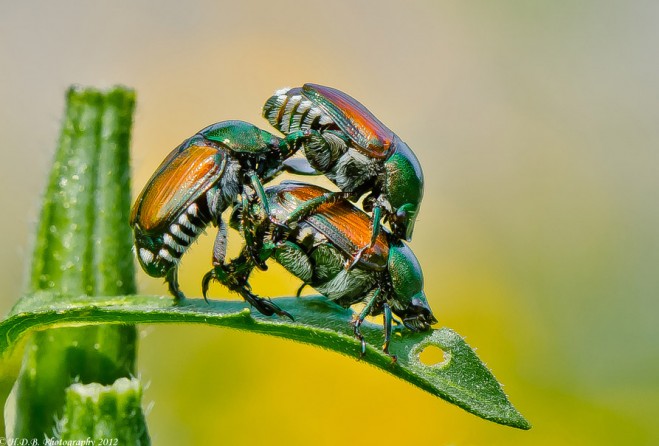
[{"x": 431, "y": 356}]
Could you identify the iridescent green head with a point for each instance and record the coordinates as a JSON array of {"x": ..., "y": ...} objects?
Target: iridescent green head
[
  {"x": 408, "y": 300},
  {"x": 403, "y": 187}
]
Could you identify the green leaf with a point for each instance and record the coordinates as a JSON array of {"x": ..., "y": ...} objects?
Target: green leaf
[{"x": 461, "y": 378}]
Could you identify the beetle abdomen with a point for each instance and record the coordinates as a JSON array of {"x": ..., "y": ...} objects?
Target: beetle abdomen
[
  {"x": 289, "y": 111},
  {"x": 352, "y": 170},
  {"x": 321, "y": 266},
  {"x": 348, "y": 286},
  {"x": 159, "y": 252}
]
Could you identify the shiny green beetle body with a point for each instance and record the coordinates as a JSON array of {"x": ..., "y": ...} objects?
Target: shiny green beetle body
[
  {"x": 210, "y": 171},
  {"x": 358, "y": 153},
  {"x": 387, "y": 276}
]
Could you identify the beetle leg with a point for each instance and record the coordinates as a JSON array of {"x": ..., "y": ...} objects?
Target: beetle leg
[
  {"x": 387, "y": 332},
  {"x": 220, "y": 246},
  {"x": 306, "y": 209},
  {"x": 258, "y": 233},
  {"x": 375, "y": 223},
  {"x": 293, "y": 141},
  {"x": 358, "y": 323},
  {"x": 299, "y": 290},
  {"x": 172, "y": 281},
  {"x": 233, "y": 275},
  {"x": 260, "y": 193},
  {"x": 288, "y": 146},
  {"x": 398, "y": 324},
  {"x": 321, "y": 150},
  {"x": 264, "y": 306},
  {"x": 219, "y": 256},
  {"x": 253, "y": 232},
  {"x": 311, "y": 206},
  {"x": 377, "y": 216}
]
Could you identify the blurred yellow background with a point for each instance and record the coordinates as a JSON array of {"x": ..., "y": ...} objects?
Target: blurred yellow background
[{"x": 537, "y": 127}]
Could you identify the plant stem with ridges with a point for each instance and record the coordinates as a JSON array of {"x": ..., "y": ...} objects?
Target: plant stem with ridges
[{"x": 82, "y": 248}]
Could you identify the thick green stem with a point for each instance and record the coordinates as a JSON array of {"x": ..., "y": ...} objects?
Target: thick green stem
[
  {"x": 83, "y": 247},
  {"x": 110, "y": 413}
]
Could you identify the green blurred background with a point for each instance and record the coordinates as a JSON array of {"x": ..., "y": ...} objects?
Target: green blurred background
[{"x": 536, "y": 123}]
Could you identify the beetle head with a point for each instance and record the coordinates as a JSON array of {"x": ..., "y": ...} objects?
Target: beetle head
[
  {"x": 408, "y": 300},
  {"x": 403, "y": 188}
]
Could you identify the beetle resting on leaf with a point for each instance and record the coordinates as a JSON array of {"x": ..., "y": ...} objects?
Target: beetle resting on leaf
[
  {"x": 208, "y": 172},
  {"x": 387, "y": 276}
]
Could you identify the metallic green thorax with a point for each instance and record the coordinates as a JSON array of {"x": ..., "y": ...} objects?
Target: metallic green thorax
[
  {"x": 407, "y": 284},
  {"x": 405, "y": 272},
  {"x": 243, "y": 137},
  {"x": 404, "y": 188}
]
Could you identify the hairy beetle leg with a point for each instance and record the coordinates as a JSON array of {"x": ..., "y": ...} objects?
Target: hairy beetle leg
[
  {"x": 375, "y": 230},
  {"x": 222, "y": 274},
  {"x": 359, "y": 336},
  {"x": 252, "y": 230},
  {"x": 279, "y": 230},
  {"x": 264, "y": 306},
  {"x": 311, "y": 206},
  {"x": 360, "y": 319},
  {"x": 387, "y": 332},
  {"x": 220, "y": 245},
  {"x": 350, "y": 264},
  {"x": 205, "y": 282},
  {"x": 172, "y": 283},
  {"x": 299, "y": 290}
]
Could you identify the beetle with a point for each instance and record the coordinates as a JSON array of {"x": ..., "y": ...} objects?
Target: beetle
[
  {"x": 217, "y": 167},
  {"x": 387, "y": 276},
  {"x": 356, "y": 151}
]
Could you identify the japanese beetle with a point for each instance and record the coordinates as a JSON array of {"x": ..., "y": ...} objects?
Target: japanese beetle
[
  {"x": 355, "y": 151},
  {"x": 387, "y": 276},
  {"x": 208, "y": 172}
]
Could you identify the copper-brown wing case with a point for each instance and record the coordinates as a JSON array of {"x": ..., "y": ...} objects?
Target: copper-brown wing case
[
  {"x": 345, "y": 226},
  {"x": 369, "y": 134},
  {"x": 185, "y": 175}
]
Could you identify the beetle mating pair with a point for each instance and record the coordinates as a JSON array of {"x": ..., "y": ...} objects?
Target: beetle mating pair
[{"x": 227, "y": 164}]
